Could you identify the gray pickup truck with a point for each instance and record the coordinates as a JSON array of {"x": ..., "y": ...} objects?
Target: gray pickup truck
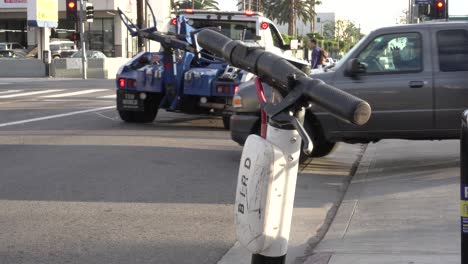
[{"x": 415, "y": 77}]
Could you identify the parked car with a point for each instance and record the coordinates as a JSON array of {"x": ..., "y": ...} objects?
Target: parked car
[
  {"x": 10, "y": 54},
  {"x": 62, "y": 49},
  {"x": 89, "y": 54},
  {"x": 413, "y": 76},
  {"x": 13, "y": 46}
]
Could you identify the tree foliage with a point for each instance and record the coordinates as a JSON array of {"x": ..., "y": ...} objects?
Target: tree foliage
[
  {"x": 254, "y": 5},
  {"x": 346, "y": 34},
  {"x": 287, "y": 11},
  {"x": 197, "y": 4},
  {"x": 312, "y": 13},
  {"x": 347, "y": 31}
]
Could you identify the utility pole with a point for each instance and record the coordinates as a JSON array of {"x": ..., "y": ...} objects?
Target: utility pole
[
  {"x": 141, "y": 44},
  {"x": 84, "y": 60}
]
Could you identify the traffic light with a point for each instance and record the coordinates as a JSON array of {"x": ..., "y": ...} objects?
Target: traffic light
[
  {"x": 89, "y": 12},
  {"x": 76, "y": 36},
  {"x": 72, "y": 8},
  {"x": 438, "y": 10}
]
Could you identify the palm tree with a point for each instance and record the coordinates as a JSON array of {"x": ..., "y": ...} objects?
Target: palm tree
[
  {"x": 195, "y": 4},
  {"x": 255, "y": 5},
  {"x": 287, "y": 11},
  {"x": 313, "y": 14}
]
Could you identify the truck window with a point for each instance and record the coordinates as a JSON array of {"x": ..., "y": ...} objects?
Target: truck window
[
  {"x": 237, "y": 30},
  {"x": 453, "y": 50},
  {"x": 393, "y": 53},
  {"x": 276, "y": 37}
]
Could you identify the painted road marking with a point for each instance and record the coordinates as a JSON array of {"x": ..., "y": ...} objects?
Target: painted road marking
[
  {"x": 4, "y": 83},
  {"x": 55, "y": 116},
  {"x": 112, "y": 96},
  {"x": 10, "y": 91},
  {"x": 75, "y": 93},
  {"x": 30, "y": 93}
]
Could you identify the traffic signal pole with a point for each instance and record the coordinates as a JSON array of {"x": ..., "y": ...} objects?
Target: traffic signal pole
[
  {"x": 84, "y": 60},
  {"x": 446, "y": 10}
]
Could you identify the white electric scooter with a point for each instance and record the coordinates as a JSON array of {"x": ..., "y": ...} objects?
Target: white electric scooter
[{"x": 268, "y": 167}]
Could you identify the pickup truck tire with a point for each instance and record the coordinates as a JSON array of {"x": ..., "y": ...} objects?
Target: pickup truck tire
[
  {"x": 322, "y": 147},
  {"x": 148, "y": 115}
]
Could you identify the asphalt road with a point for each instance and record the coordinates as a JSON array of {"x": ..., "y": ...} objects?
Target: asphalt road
[{"x": 78, "y": 185}]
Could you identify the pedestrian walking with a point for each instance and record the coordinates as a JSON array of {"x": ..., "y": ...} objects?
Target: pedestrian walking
[{"x": 317, "y": 53}]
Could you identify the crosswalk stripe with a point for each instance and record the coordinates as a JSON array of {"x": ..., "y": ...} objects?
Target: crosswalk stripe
[
  {"x": 75, "y": 93},
  {"x": 55, "y": 116},
  {"x": 112, "y": 96},
  {"x": 30, "y": 93},
  {"x": 10, "y": 91},
  {"x": 4, "y": 83}
]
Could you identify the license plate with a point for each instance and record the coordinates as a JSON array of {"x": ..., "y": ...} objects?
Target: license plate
[{"x": 129, "y": 102}]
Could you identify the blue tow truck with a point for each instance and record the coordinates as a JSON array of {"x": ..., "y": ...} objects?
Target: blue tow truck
[{"x": 182, "y": 77}]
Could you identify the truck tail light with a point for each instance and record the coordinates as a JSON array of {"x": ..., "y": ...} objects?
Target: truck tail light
[
  {"x": 237, "y": 101},
  {"x": 167, "y": 65},
  {"x": 236, "y": 88},
  {"x": 223, "y": 89},
  {"x": 131, "y": 83},
  {"x": 174, "y": 21},
  {"x": 122, "y": 82}
]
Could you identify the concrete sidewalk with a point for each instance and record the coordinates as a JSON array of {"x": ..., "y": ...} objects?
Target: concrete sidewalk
[
  {"x": 402, "y": 206},
  {"x": 319, "y": 191}
]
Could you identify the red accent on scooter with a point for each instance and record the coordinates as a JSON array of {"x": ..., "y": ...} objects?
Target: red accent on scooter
[{"x": 262, "y": 99}]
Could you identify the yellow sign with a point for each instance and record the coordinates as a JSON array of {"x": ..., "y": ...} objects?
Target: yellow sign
[
  {"x": 463, "y": 208},
  {"x": 47, "y": 10},
  {"x": 43, "y": 13}
]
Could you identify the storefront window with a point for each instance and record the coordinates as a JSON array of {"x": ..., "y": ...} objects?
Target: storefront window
[
  {"x": 101, "y": 36},
  {"x": 65, "y": 30},
  {"x": 13, "y": 30}
]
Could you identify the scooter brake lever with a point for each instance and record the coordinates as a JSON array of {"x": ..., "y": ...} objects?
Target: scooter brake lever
[{"x": 283, "y": 118}]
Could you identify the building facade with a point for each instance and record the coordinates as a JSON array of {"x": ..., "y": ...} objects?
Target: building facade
[{"x": 106, "y": 33}]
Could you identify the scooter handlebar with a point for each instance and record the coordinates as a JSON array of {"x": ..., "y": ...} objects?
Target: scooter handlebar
[
  {"x": 336, "y": 101},
  {"x": 277, "y": 71}
]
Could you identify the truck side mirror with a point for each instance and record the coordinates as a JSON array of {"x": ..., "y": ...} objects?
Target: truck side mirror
[
  {"x": 354, "y": 68},
  {"x": 294, "y": 44}
]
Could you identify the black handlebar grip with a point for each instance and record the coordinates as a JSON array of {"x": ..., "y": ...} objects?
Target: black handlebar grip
[
  {"x": 216, "y": 43},
  {"x": 341, "y": 104}
]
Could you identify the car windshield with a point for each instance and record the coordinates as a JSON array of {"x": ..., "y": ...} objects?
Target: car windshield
[
  {"x": 3, "y": 46},
  {"x": 62, "y": 46},
  {"x": 348, "y": 54},
  {"x": 67, "y": 46}
]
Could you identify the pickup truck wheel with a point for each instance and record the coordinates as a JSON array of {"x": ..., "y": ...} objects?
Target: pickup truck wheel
[
  {"x": 148, "y": 115},
  {"x": 322, "y": 147},
  {"x": 226, "y": 121}
]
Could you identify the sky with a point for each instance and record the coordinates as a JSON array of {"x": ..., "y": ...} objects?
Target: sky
[{"x": 360, "y": 12}]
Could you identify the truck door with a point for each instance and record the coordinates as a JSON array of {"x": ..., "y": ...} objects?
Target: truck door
[
  {"x": 450, "y": 76},
  {"x": 397, "y": 83}
]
